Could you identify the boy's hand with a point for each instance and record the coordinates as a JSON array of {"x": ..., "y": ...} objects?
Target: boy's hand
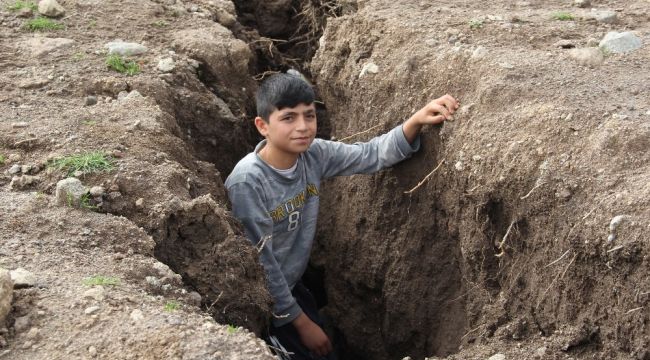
[
  {"x": 435, "y": 112},
  {"x": 312, "y": 336}
]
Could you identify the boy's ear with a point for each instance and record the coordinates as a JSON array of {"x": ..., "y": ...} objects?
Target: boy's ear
[{"x": 262, "y": 126}]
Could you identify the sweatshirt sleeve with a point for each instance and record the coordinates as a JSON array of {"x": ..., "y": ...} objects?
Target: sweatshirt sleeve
[
  {"x": 247, "y": 206},
  {"x": 363, "y": 158}
]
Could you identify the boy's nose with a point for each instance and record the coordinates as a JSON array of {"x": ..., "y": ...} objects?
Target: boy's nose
[{"x": 302, "y": 124}]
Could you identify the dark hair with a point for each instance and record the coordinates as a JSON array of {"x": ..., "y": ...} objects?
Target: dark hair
[{"x": 281, "y": 91}]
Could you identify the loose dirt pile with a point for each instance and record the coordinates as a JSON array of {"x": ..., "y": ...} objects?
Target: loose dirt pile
[{"x": 527, "y": 240}]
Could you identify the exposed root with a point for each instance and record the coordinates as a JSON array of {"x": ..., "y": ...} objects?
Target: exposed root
[
  {"x": 505, "y": 237},
  {"x": 360, "y": 133},
  {"x": 558, "y": 259},
  {"x": 426, "y": 178},
  {"x": 558, "y": 276}
]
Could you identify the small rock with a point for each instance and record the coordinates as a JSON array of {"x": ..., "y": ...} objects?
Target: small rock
[
  {"x": 21, "y": 124},
  {"x": 50, "y": 8},
  {"x": 25, "y": 13},
  {"x": 136, "y": 315},
  {"x": 582, "y": 3},
  {"x": 34, "y": 334},
  {"x": 166, "y": 65},
  {"x": 90, "y": 100},
  {"x": 477, "y": 158},
  {"x": 22, "y": 323},
  {"x": 97, "y": 292},
  {"x": 14, "y": 157},
  {"x": 139, "y": 203},
  {"x": 540, "y": 353},
  {"x": 620, "y": 43},
  {"x": 6, "y": 295},
  {"x": 497, "y": 357},
  {"x": 24, "y": 181},
  {"x": 92, "y": 351},
  {"x": 14, "y": 169},
  {"x": 605, "y": 17},
  {"x": 589, "y": 56},
  {"x": 479, "y": 53},
  {"x": 97, "y": 191},
  {"x": 69, "y": 192},
  {"x": 195, "y": 298},
  {"x": 369, "y": 68},
  {"x": 592, "y": 42},
  {"x": 565, "y": 44},
  {"x": 193, "y": 8},
  {"x": 78, "y": 173},
  {"x": 22, "y": 278},
  {"x": 91, "y": 310},
  {"x": 124, "y": 96},
  {"x": 459, "y": 166},
  {"x": 25, "y": 169},
  {"x": 125, "y": 48}
]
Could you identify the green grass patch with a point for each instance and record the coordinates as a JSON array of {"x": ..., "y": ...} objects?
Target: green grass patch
[
  {"x": 101, "y": 280},
  {"x": 475, "y": 24},
  {"x": 119, "y": 64},
  {"x": 171, "y": 306},
  {"x": 232, "y": 329},
  {"x": 160, "y": 23},
  {"x": 42, "y": 24},
  {"x": 19, "y": 5},
  {"x": 2, "y": 160},
  {"x": 562, "y": 16},
  {"x": 89, "y": 122},
  {"x": 92, "y": 162}
]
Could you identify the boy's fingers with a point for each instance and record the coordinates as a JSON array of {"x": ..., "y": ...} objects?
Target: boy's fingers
[
  {"x": 440, "y": 109},
  {"x": 436, "y": 119},
  {"x": 450, "y": 103}
]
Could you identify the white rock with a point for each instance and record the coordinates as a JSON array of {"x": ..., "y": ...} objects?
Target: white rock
[
  {"x": 166, "y": 65},
  {"x": 479, "y": 53},
  {"x": 14, "y": 169},
  {"x": 369, "y": 68},
  {"x": 6, "y": 295},
  {"x": 605, "y": 17},
  {"x": 92, "y": 351},
  {"x": 590, "y": 56},
  {"x": 617, "y": 221},
  {"x": 40, "y": 46},
  {"x": 616, "y": 42},
  {"x": 91, "y": 310},
  {"x": 97, "y": 292},
  {"x": 97, "y": 191},
  {"x": 459, "y": 166},
  {"x": 125, "y": 48},
  {"x": 497, "y": 357},
  {"x": 136, "y": 315},
  {"x": 50, "y": 8},
  {"x": 135, "y": 94},
  {"x": 582, "y": 3},
  {"x": 69, "y": 192},
  {"x": 22, "y": 278}
]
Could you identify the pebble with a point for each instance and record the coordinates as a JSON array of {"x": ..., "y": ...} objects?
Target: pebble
[
  {"x": 91, "y": 310},
  {"x": 22, "y": 323},
  {"x": 605, "y": 17},
  {"x": 166, "y": 65},
  {"x": 25, "y": 13},
  {"x": 565, "y": 44},
  {"x": 97, "y": 191},
  {"x": 589, "y": 56},
  {"x": 125, "y": 48},
  {"x": 50, "y": 8},
  {"x": 14, "y": 169},
  {"x": 90, "y": 100},
  {"x": 21, "y": 124},
  {"x": 479, "y": 53},
  {"x": 582, "y": 3},
  {"x": 124, "y": 96},
  {"x": 619, "y": 43},
  {"x": 540, "y": 352},
  {"x": 22, "y": 278},
  {"x": 139, "y": 203},
  {"x": 497, "y": 357},
  {"x": 136, "y": 315},
  {"x": 34, "y": 333},
  {"x": 459, "y": 166},
  {"x": 69, "y": 192},
  {"x": 6, "y": 295},
  {"x": 613, "y": 226},
  {"x": 97, "y": 292},
  {"x": 24, "y": 181},
  {"x": 369, "y": 68}
]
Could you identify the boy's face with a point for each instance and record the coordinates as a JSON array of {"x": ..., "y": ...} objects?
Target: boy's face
[{"x": 290, "y": 130}]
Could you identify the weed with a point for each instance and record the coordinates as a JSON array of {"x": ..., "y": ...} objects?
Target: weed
[
  {"x": 562, "y": 16},
  {"x": 40, "y": 195},
  {"x": 89, "y": 122},
  {"x": 78, "y": 56},
  {"x": 101, "y": 280},
  {"x": 19, "y": 5},
  {"x": 86, "y": 202},
  {"x": 475, "y": 24},
  {"x": 91, "y": 162},
  {"x": 2, "y": 160},
  {"x": 92, "y": 23},
  {"x": 117, "y": 63},
  {"x": 160, "y": 23},
  {"x": 232, "y": 329},
  {"x": 43, "y": 24},
  {"x": 172, "y": 306}
]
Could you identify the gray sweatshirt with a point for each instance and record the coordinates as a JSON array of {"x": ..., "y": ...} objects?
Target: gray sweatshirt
[{"x": 281, "y": 211}]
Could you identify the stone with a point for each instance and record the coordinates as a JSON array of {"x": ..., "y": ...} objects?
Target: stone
[
  {"x": 25, "y": 169},
  {"x": 40, "y": 46},
  {"x": 50, "y": 8},
  {"x": 34, "y": 334},
  {"x": 582, "y": 3},
  {"x": 565, "y": 44},
  {"x": 96, "y": 292},
  {"x": 540, "y": 353},
  {"x": 33, "y": 83},
  {"x": 97, "y": 191},
  {"x": 90, "y": 100},
  {"x": 22, "y": 278},
  {"x": 23, "y": 182},
  {"x": 91, "y": 310},
  {"x": 139, "y": 203},
  {"x": 92, "y": 351},
  {"x": 6, "y": 295},
  {"x": 592, "y": 42},
  {"x": 69, "y": 192},
  {"x": 14, "y": 157},
  {"x": 136, "y": 315},
  {"x": 25, "y": 13},
  {"x": 605, "y": 17},
  {"x": 21, "y": 324},
  {"x": 123, "y": 48},
  {"x": 497, "y": 357},
  {"x": 21, "y": 124},
  {"x": 620, "y": 43},
  {"x": 14, "y": 169},
  {"x": 166, "y": 65},
  {"x": 587, "y": 56},
  {"x": 124, "y": 96},
  {"x": 369, "y": 68},
  {"x": 479, "y": 53}
]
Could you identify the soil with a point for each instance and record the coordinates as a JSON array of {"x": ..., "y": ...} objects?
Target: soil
[{"x": 504, "y": 248}]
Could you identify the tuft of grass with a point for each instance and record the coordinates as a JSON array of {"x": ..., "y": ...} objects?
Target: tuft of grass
[
  {"x": 89, "y": 122},
  {"x": 2, "y": 160},
  {"x": 232, "y": 329},
  {"x": 101, "y": 280},
  {"x": 78, "y": 56},
  {"x": 119, "y": 64},
  {"x": 172, "y": 306},
  {"x": 42, "y": 24},
  {"x": 86, "y": 202},
  {"x": 160, "y": 23},
  {"x": 19, "y": 5},
  {"x": 96, "y": 161},
  {"x": 562, "y": 16},
  {"x": 475, "y": 24}
]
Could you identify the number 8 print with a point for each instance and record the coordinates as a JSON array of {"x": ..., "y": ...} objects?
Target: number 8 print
[{"x": 294, "y": 218}]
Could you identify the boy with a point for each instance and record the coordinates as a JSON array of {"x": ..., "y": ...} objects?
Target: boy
[{"x": 274, "y": 192}]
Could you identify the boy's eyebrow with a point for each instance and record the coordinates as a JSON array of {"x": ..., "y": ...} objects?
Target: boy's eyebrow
[{"x": 291, "y": 112}]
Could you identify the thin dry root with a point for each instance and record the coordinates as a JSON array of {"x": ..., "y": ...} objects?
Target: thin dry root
[
  {"x": 426, "y": 178},
  {"x": 558, "y": 259},
  {"x": 360, "y": 133},
  {"x": 505, "y": 237}
]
